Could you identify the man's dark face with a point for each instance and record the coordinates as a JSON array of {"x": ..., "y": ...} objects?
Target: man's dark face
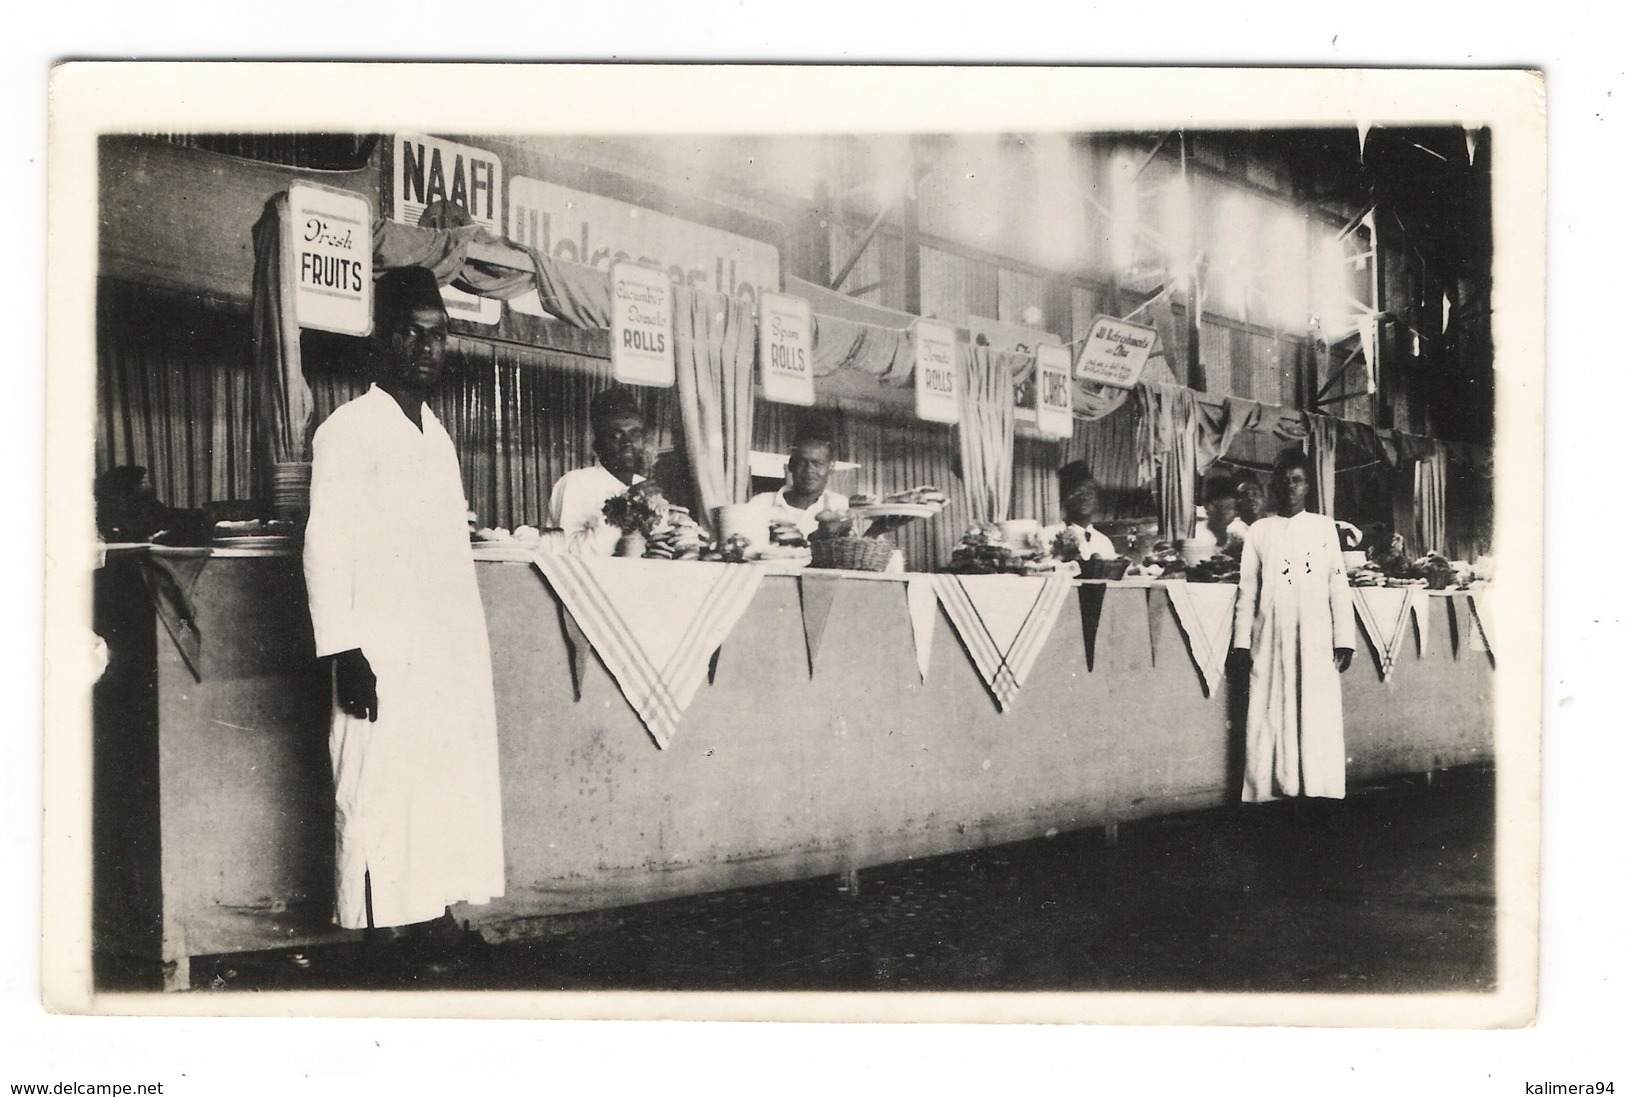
[
  {"x": 618, "y": 442},
  {"x": 1081, "y": 504},
  {"x": 1292, "y": 490},
  {"x": 416, "y": 350},
  {"x": 1250, "y": 501},
  {"x": 1221, "y": 511},
  {"x": 809, "y": 469}
]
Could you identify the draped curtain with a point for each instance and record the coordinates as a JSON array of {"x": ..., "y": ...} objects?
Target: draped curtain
[
  {"x": 715, "y": 344},
  {"x": 1430, "y": 504},
  {"x": 987, "y": 430},
  {"x": 174, "y": 393},
  {"x": 283, "y": 400},
  {"x": 1323, "y": 454},
  {"x": 1167, "y": 451}
]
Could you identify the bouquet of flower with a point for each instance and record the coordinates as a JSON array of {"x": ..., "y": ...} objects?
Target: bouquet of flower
[
  {"x": 641, "y": 509},
  {"x": 1065, "y": 546}
]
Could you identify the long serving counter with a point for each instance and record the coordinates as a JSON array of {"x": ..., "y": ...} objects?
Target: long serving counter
[{"x": 213, "y": 800}]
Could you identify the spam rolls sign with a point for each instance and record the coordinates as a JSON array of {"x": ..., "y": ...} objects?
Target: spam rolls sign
[
  {"x": 936, "y": 372},
  {"x": 427, "y": 170},
  {"x": 330, "y": 258},
  {"x": 1115, "y": 352},
  {"x": 640, "y": 331},
  {"x": 579, "y": 227},
  {"x": 1053, "y": 390},
  {"x": 784, "y": 349}
]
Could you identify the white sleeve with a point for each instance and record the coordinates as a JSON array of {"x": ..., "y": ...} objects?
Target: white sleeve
[
  {"x": 580, "y": 513},
  {"x": 332, "y": 540}
]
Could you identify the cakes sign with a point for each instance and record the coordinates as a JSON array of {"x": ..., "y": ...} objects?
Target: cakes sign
[
  {"x": 1115, "y": 352},
  {"x": 1054, "y": 391},
  {"x": 640, "y": 331},
  {"x": 784, "y": 349},
  {"x": 329, "y": 253},
  {"x": 936, "y": 372}
]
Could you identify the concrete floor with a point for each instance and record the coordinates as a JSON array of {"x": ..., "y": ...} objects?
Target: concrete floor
[{"x": 1390, "y": 891}]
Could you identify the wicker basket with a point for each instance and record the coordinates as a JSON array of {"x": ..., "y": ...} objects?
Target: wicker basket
[{"x": 852, "y": 553}]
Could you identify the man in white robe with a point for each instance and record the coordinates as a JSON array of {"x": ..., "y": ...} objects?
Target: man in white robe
[
  {"x": 576, "y": 504},
  {"x": 397, "y": 614},
  {"x": 1295, "y": 617}
]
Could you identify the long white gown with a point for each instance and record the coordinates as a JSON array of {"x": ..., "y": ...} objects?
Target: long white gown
[
  {"x": 388, "y": 570},
  {"x": 1294, "y": 608}
]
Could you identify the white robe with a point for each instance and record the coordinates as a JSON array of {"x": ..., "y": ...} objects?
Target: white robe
[
  {"x": 576, "y": 506},
  {"x": 388, "y": 570},
  {"x": 1293, "y": 610}
]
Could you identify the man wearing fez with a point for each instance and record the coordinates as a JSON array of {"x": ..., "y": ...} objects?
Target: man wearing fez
[
  {"x": 1080, "y": 501},
  {"x": 398, "y": 619},
  {"x": 577, "y": 503},
  {"x": 806, "y": 486}
]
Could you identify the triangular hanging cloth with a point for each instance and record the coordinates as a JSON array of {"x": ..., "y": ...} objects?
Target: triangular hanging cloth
[
  {"x": 170, "y": 574},
  {"x": 1421, "y": 610},
  {"x": 1004, "y": 621},
  {"x": 1482, "y": 635},
  {"x": 1092, "y": 602},
  {"x": 1153, "y": 625},
  {"x": 817, "y": 596},
  {"x": 653, "y": 625},
  {"x": 1383, "y": 612},
  {"x": 1206, "y": 613},
  {"x": 922, "y": 614}
]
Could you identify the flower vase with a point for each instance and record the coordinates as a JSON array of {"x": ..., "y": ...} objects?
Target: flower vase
[{"x": 631, "y": 545}]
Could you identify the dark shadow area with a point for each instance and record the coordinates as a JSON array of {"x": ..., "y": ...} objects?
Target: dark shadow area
[{"x": 1391, "y": 891}]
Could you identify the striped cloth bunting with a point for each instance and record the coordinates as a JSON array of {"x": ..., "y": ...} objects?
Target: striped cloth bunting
[
  {"x": 1004, "y": 621},
  {"x": 653, "y": 625},
  {"x": 1383, "y": 612},
  {"x": 1206, "y": 613}
]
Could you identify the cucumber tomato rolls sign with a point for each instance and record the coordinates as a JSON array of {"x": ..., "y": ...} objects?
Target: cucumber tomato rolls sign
[
  {"x": 936, "y": 372},
  {"x": 640, "y": 325}
]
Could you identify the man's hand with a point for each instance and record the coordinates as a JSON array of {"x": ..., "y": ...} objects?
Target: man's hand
[
  {"x": 356, "y": 685},
  {"x": 1342, "y": 657}
]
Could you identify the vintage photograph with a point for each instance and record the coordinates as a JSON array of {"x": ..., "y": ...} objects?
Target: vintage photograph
[{"x": 1059, "y": 556}]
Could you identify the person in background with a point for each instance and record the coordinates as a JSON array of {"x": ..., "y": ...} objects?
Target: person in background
[
  {"x": 1294, "y": 634},
  {"x": 806, "y": 489},
  {"x": 398, "y": 619},
  {"x": 1229, "y": 531},
  {"x": 127, "y": 507},
  {"x": 1251, "y": 501},
  {"x": 576, "y": 504},
  {"x": 1080, "y": 501}
]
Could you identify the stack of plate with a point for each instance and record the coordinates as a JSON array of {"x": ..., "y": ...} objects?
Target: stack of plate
[{"x": 290, "y": 490}]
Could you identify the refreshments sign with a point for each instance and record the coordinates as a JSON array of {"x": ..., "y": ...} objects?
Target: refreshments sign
[
  {"x": 1053, "y": 390},
  {"x": 428, "y": 170},
  {"x": 1115, "y": 352},
  {"x": 640, "y": 330},
  {"x": 784, "y": 349},
  {"x": 579, "y": 227},
  {"x": 936, "y": 372},
  {"x": 330, "y": 258}
]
